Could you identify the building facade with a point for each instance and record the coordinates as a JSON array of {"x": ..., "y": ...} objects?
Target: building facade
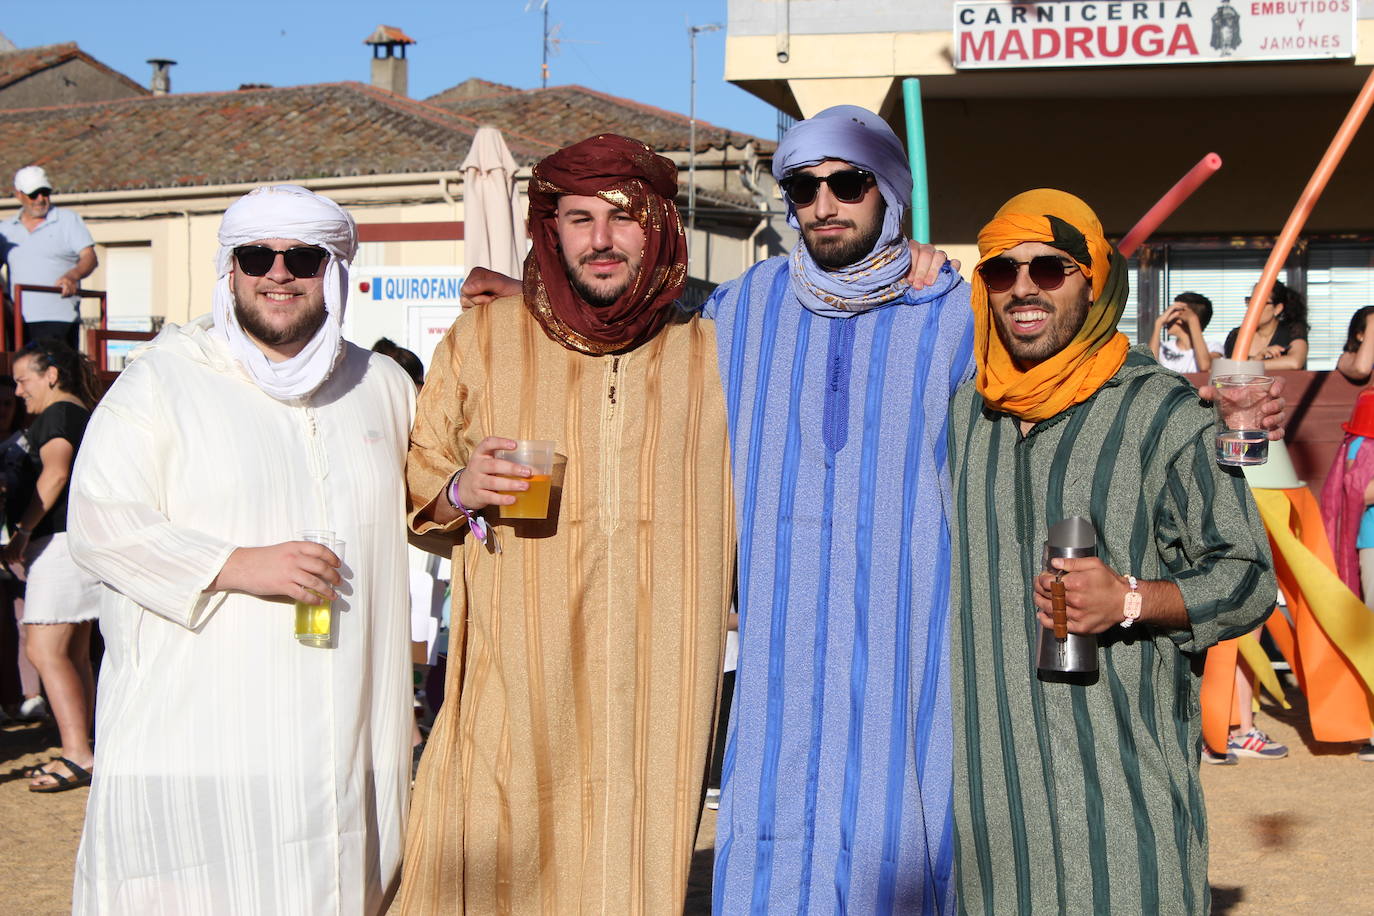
[
  {"x": 151, "y": 176},
  {"x": 1113, "y": 101}
]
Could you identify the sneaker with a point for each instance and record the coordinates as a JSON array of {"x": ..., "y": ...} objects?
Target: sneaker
[
  {"x": 33, "y": 709},
  {"x": 1219, "y": 760},
  {"x": 1256, "y": 743},
  {"x": 713, "y": 799},
  {"x": 1366, "y": 753}
]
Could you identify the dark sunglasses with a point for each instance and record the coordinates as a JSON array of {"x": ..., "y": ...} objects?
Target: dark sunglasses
[
  {"x": 1271, "y": 301},
  {"x": 302, "y": 261},
  {"x": 41, "y": 192},
  {"x": 1046, "y": 271},
  {"x": 848, "y": 186}
]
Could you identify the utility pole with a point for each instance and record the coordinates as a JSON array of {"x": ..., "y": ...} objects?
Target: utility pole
[{"x": 692, "y": 31}]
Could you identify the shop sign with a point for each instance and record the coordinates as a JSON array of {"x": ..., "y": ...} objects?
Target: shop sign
[{"x": 1092, "y": 33}]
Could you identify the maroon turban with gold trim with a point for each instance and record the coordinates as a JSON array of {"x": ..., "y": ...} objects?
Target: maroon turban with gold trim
[{"x": 626, "y": 174}]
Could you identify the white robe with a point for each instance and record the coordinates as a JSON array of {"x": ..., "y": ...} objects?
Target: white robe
[{"x": 238, "y": 771}]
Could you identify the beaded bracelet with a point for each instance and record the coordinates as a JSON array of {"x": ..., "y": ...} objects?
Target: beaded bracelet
[{"x": 475, "y": 521}]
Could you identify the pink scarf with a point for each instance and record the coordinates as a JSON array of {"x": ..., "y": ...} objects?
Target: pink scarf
[{"x": 1343, "y": 506}]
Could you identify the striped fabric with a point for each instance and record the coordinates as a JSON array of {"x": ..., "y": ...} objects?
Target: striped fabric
[
  {"x": 565, "y": 772},
  {"x": 1085, "y": 799},
  {"x": 837, "y": 766}
]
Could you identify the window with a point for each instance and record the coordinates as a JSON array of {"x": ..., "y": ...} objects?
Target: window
[
  {"x": 1226, "y": 277},
  {"x": 1335, "y": 274},
  {"x": 1340, "y": 281}
]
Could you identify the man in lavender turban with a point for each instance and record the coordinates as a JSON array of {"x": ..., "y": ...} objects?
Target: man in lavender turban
[{"x": 837, "y": 774}]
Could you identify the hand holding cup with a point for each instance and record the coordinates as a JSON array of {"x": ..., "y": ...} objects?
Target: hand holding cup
[{"x": 490, "y": 480}]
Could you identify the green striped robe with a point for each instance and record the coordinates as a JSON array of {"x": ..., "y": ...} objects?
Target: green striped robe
[{"x": 1085, "y": 799}]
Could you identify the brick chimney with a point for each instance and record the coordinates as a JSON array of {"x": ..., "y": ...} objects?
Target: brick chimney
[
  {"x": 161, "y": 83},
  {"x": 389, "y": 58}
]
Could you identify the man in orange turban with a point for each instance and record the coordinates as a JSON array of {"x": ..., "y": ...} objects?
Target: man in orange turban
[{"x": 1080, "y": 793}]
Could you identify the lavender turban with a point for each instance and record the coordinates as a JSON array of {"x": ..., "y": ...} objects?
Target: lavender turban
[{"x": 861, "y": 138}]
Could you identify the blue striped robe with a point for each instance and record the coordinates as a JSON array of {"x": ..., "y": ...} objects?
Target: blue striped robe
[{"x": 837, "y": 777}]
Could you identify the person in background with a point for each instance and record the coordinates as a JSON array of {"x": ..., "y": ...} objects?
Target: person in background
[
  {"x": 1347, "y": 501},
  {"x": 1357, "y": 357},
  {"x": 1281, "y": 338},
  {"x": 404, "y": 358},
  {"x": 1186, "y": 350},
  {"x": 59, "y": 389},
  {"x": 43, "y": 245},
  {"x": 20, "y": 686}
]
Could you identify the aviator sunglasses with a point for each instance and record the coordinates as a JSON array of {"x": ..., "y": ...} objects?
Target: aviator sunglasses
[
  {"x": 303, "y": 261},
  {"x": 1046, "y": 272},
  {"x": 848, "y": 186}
]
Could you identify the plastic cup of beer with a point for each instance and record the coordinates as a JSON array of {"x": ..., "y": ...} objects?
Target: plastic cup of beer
[
  {"x": 1240, "y": 438},
  {"x": 537, "y": 455},
  {"x": 315, "y": 620}
]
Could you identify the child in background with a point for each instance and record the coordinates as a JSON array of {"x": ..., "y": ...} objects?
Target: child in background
[
  {"x": 1357, "y": 359},
  {"x": 1184, "y": 321},
  {"x": 1347, "y": 502}
]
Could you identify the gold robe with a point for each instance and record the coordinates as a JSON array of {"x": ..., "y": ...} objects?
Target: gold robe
[{"x": 564, "y": 773}]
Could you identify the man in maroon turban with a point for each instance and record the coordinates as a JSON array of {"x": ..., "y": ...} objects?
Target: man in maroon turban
[{"x": 565, "y": 769}]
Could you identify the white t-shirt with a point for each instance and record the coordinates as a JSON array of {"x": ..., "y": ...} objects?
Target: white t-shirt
[{"x": 1171, "y": 357}]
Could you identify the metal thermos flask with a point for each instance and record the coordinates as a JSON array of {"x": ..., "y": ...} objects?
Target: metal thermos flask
[{"x": 1074, "y": 653}]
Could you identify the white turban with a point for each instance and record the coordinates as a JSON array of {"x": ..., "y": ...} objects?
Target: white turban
[{"x": 287, "y": 212}]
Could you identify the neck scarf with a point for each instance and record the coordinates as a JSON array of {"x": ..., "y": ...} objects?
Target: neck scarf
[
  {"x": 862, "y": 139},
  {"x": 287, "y": 212},
  {"x": 627, "y": 174},
  {"x": 1096, "y": 352}
]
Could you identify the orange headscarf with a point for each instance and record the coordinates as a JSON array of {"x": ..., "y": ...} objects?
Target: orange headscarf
[{"x": 1075, "y": 373}]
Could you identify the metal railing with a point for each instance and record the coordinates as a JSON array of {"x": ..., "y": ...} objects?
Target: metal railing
[{"x": 17, "y": 338}]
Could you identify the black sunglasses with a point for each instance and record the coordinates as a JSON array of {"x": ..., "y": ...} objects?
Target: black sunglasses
[
  {"x": 41, "y": 192},
  {"x": 1046, "y": 271},
  {"x": 848, "y": 186},
  {"x": 303, "y": 261}
]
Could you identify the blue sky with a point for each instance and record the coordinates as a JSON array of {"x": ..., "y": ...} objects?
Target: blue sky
[{"x": 633, "y": 49}]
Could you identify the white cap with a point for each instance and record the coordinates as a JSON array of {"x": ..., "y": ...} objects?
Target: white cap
[{"x": 30, "y": 178}]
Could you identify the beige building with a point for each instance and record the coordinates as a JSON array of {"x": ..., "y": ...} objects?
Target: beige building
[
  {"x": 1114, "y": 101},
  {"x": 152, "y": 174}
]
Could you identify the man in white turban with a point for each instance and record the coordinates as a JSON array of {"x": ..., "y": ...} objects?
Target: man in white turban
[{"x": 240, "y": 770}]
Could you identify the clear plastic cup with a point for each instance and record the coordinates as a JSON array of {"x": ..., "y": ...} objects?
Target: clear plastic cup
[
  {"x": 1240, "y": 438},
  {"x": 315, "y": 621},
  {"x": 537, "y": 455}
]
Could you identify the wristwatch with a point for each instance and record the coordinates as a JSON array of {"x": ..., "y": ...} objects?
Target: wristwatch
[{"x": 1131, "y": 606}]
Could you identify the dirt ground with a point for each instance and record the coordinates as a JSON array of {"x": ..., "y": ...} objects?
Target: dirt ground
[{"x": 1288, "y": 836}]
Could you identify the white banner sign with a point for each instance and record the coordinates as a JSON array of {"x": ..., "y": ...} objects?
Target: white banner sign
[
  {"x": 412, "y": 306},
  {"x": 1091, "y": 33}
]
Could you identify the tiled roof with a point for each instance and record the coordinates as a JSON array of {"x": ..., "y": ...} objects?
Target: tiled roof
[
  {"x": 16, "y": 65},
  {"x": 470, "y": 88},
  {"x": 565, "y": 114},
  {"x": 302, "y": 132}
]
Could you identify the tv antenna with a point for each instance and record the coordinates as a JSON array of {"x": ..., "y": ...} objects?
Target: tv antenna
[{"x": 552, "y": 42}]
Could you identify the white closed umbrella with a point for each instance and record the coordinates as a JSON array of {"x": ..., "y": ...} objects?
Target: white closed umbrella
[{"x": 493, "y": 220}]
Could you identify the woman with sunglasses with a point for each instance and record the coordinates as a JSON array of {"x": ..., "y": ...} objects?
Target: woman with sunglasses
[
  {"x": 1281, "y": 338},
  {"x": 59, "y": 389}
]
